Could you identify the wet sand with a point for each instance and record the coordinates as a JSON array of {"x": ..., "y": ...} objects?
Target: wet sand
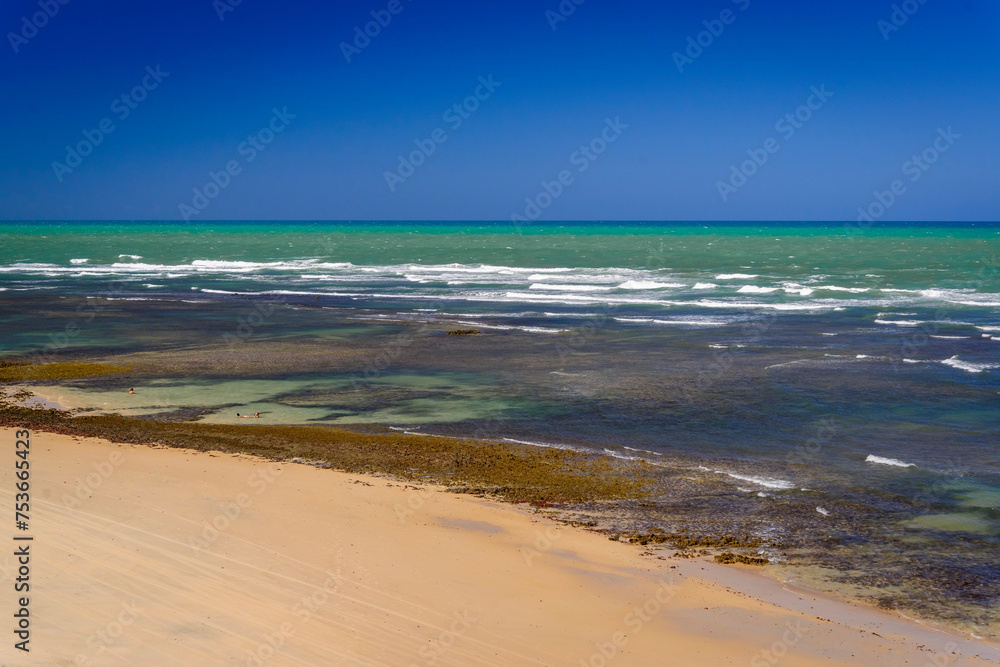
[{"x": 159, "y": 556}]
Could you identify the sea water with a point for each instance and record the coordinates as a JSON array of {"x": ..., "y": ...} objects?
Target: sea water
[{"x": 832, "y": 387}]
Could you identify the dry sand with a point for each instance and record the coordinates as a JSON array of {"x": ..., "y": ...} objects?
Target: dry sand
[{"x": 315, "y": 567}]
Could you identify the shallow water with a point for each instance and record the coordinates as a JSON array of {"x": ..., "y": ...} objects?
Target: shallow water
[{"x": 782, "y": 370}]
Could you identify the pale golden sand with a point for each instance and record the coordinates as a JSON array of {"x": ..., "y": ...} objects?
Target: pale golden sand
[{"x": 314, "y": 567}]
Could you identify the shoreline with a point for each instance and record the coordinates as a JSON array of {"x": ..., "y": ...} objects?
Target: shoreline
[
  {"x": 392, "y": 557},
  {"x": 779, "y": 575}
]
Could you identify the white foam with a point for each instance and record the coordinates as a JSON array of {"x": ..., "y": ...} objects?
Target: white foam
[
  {"x": 513, "y": 328},
  {"x": 286, "y": 292},
  {"x": 688, "y": 322},
  {"x": 760, "y": 481},
  {"x": 78, "y": 261},
  {"x": 574, "y": 278},
  {"x": 888, "y": 462},
  {"x": 898, "y": 323},
  {"x": 968, "y": 366},
  {"x": 837, "y": 288},
  {"x": 735, "y": 276},
  {"x": 538, "y": 444},
  {"x": 705, "y": 286},
  {"x": 753, "y": 289},
  {"x": 130, "y": 256},
  {"x": 619, "y": 455},
  {"x": 644, "y": 451},
  {"x": 639, "y": 284},
  {"x": 570, "y": 288}
]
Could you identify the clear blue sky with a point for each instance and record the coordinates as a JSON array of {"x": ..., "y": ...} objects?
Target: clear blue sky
[{"x": 891, "y": 92}]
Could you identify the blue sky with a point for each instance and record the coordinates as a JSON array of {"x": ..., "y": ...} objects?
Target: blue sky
[{"x": 556, "y": 85}]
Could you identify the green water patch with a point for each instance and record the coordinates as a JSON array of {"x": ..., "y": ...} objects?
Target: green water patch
[
  {"x": 403, "y": 399},
  {"x": 430, "y": 411},
  {"x": 971, "y": 495},
  {"x": 271, "y": 413},
  {"x": 511, "y": 472},
  {"x": 956, "y": 522}
]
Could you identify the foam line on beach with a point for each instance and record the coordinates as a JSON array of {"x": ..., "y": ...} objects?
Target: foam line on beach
[{"x": 767, "y": 482}]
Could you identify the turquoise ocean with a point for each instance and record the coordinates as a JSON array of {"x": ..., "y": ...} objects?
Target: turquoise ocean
[{"x": 832, "y": 387}]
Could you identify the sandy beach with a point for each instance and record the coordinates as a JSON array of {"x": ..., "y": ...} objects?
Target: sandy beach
[{"x": 155, "y": 556}]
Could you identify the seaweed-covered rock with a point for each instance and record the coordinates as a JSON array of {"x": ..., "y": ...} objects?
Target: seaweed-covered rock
[{"x": 728, "y": 558}]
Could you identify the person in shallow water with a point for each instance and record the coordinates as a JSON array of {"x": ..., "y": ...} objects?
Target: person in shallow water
[{"x": 131, "y": 390}]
